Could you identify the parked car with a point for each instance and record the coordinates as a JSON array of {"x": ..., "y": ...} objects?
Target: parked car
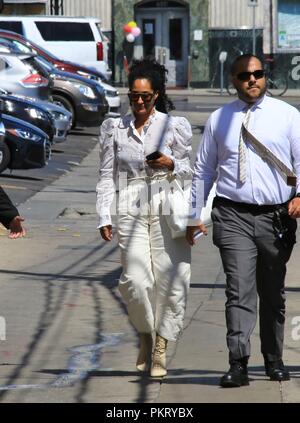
[
  {"x": 39, "y": 113},
  {"x": 76, "y": 39},
  {"x": 26, "y": 46},
  {"x": 83, "y": 97},
  {"x": 17, "y": 76},
  {"x": 2, "y": 136},
  {"x": 29, "y": 46},
  {"x": 61, "y": 116},
  {"x": 24, "y": 146},
  {"x": 29, "y": 111}
]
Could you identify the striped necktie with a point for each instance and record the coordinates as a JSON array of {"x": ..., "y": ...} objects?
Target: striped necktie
[{"x": 243, "y": 149}]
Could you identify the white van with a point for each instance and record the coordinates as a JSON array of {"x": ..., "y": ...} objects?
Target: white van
[{"x": 75, "y": 39}]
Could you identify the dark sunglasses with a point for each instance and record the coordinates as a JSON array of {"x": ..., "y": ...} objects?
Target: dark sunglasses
[
  {"x": 146, "y": 97},
  {"x": 245, "y": 76}
]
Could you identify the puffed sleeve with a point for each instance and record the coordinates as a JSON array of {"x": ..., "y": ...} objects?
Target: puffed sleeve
[
  {"x": 181, "y": 146},
  {"x": 105, "y": 188}
]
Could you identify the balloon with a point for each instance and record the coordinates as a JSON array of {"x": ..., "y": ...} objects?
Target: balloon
[
  {"x": 130, "y": 38},
  {"x": 132, "y": 24},
  {"x": 127, "y": 29},
  {"x": 136, "y": 31}
]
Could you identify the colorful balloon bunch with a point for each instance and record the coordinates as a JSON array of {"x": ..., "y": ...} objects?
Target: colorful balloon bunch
[{"x": 131, "y": 31}]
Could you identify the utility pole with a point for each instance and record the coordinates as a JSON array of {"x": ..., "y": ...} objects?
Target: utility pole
[
  {"x": 253, "y": 4},
  {"x": 113, "y": 41}
]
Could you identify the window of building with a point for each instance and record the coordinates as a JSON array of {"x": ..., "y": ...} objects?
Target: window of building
[
  {"x": 149, "y": 38},
  {"x": 175, "y": 37},
  {"x": 288, "y": 24}
]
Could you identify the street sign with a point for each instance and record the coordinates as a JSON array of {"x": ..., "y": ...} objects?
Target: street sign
[{"x": 252, "y": 3}]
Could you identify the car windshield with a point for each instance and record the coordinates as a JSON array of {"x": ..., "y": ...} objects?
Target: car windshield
[
  {"x": 29, "y": 46},
  {"x": 21, "y": 47}
]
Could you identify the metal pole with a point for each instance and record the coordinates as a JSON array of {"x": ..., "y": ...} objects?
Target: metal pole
[
  {"x": 189, "y": 72},
  {"x": 222, "y": 77},
  {"x": 253, "y": 33},
  {"x": 113, "y": 41}
]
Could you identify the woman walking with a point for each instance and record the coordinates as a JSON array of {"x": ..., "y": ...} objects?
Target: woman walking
[{"x": 156, "y": 268}]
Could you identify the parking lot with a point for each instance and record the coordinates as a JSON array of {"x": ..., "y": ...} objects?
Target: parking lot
[{"x": 22, "y": 184}]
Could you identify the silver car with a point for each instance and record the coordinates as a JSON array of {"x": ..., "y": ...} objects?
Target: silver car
[
  {"x": 18, "y": 77},
  {"x": 62, "y": 118}
]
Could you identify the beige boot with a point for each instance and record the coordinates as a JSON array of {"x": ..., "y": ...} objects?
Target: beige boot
[
  {"x": 159, "y": 360},
  {"x": 143, "y": 362}
]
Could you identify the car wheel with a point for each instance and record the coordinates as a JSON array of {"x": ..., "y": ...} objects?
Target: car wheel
[
  {"x": 64, "y": 102},
  {"x": 4, "y": 156}
]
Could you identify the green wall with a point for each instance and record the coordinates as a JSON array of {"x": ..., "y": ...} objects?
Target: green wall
[
  {"x": 199, "y": 20},
  {"x": 124, "y": 12}
]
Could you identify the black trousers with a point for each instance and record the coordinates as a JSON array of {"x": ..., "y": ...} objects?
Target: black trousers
[{"x": 254, "y": 260}]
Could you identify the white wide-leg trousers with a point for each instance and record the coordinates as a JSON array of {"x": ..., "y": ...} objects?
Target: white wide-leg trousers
[{"x": 156, "y": 274}]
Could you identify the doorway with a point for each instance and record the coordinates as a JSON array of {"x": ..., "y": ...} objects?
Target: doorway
[{"x": 165, "y": 37}]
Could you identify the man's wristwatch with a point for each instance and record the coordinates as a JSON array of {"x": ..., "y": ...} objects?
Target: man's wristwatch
[{"x": 298, "y": 194}]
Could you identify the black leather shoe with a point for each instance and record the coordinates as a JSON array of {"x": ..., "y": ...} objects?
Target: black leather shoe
[
  {"x": 236, "y": 376},
  {"x": 276, "y": 371}
]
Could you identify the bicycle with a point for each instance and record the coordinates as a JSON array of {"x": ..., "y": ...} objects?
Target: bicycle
[{"x": 278, "y": 85}]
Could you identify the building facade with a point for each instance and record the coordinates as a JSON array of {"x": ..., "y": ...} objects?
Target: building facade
[
  {"x": 90, "y": 8},
  {"x": 188, "y": 36},
  {"x": 23, "y": 7},
  {"x": 174, "y": 32},
  {"x": 285, "y": 39}
]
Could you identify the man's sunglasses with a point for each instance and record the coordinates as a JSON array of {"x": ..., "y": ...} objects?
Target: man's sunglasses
[
  {"x": 146, "y": 97},
  {"x": 245, "y": 76}
]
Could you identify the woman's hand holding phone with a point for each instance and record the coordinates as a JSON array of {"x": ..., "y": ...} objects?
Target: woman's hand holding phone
[{"x": 158, "y": 160}]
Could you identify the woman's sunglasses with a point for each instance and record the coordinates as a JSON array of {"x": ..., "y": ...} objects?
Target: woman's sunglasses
[
  {"x": 146, "y": 97},
  {"x": 245, "y": 76}
]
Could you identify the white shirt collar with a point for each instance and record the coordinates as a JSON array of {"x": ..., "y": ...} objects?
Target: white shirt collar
[
  {"x": 150, "y": 120},
  {"x": 241, "y": 104}
]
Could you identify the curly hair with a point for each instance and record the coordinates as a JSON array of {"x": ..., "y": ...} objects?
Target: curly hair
[{"x": 157, "y": 75}]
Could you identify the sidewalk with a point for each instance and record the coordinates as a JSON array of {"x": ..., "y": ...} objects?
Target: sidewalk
[{"x": 68, "y": 336}]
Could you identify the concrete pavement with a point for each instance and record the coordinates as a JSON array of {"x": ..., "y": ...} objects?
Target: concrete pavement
[{"x": 68, "y": 338}]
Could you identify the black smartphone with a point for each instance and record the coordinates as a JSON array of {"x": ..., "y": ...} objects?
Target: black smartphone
[{"x": 153, "y": 156}]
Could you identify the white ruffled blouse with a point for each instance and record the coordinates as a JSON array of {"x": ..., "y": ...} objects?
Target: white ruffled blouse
[{"x": 123, "y": 149}]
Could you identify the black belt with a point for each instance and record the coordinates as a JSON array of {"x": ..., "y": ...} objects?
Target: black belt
[{"x": 252, "y": 208}]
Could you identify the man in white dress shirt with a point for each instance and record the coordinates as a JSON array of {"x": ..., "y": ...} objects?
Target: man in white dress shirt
[{"x": 253, "y": 215}]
